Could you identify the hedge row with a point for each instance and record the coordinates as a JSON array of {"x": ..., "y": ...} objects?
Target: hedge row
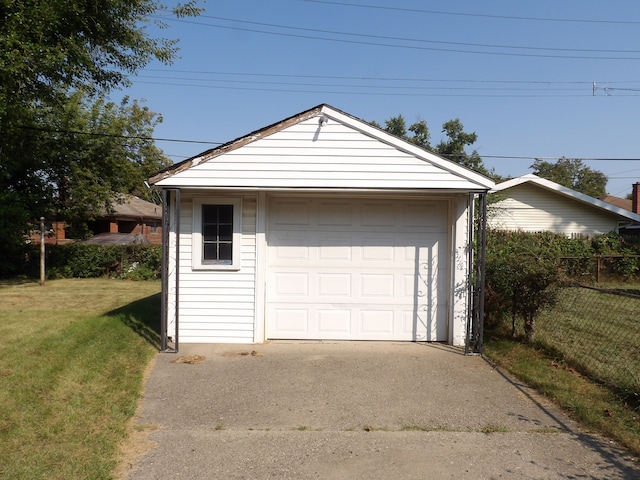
[
  {"x": 525, "y": 270},
  {"x": 574, "y": 256},
  {"x": 81, "y": 260}
]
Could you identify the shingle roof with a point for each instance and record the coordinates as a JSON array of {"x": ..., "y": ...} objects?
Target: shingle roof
[
  {"x": 618, "y": 202},
  {"x": 134, "y": 207},
  {"x": 116, "y": 239}
]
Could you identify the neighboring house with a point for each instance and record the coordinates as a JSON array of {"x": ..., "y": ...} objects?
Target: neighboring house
[
  {"x": 632, "y": 205},
  {"x": 319, "y": 227},
  {"x": 54, "y": 234},
  {"x": 132, "y": 220},
  {"x": 533, "y": 204}
]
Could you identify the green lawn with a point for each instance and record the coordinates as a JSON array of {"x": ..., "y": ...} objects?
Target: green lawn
[
  {"x": 596, "y": 332},
  {"x": 586, "y": 357},
  {"x": 74, "y": 354}
]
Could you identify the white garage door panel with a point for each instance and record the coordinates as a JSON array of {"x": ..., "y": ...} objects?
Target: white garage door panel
[{"x": 337, "y": 270}]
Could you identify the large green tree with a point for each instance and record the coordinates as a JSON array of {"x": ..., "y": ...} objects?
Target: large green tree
[
  {"x": 95, "y": 147},
  {"x": 453, "y": 147},
  {"x": 574, "y": 174},
  {"x": 49, "y": 48}
]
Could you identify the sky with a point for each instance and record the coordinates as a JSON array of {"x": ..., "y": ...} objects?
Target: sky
[{"x": 544, "y": 79}]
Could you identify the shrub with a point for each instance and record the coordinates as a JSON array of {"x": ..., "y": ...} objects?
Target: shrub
[
  {"x": 520, "y": 285},
  {"x": 81, "y": 260}
]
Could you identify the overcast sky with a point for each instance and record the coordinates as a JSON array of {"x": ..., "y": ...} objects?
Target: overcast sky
[{"x": 541, "y": 79}]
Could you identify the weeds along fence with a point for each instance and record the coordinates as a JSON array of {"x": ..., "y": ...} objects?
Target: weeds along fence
[{"x": 596, "y": 331}]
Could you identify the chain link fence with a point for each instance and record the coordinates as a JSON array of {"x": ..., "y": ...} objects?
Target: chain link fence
[
  {"x": 602, "y": 268},
  {"x": 596, "y": 331}
]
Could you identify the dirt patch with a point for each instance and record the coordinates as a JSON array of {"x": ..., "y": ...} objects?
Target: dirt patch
[
  {"x": 252, "y": 353},
  {"x": 136, "y": 446},
  {"x": 190, "y": 359},
  {"x": 137, "y": 443}
]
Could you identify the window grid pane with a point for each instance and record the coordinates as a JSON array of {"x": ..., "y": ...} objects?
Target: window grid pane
[{"x": 217, "y": 233}]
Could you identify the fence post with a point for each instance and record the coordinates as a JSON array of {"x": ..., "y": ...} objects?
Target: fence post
[
  {"x": 598, "y": 266},
  {"x": 42, "y": 252}
]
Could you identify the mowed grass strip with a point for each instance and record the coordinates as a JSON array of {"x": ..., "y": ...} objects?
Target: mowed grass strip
[
  {"x": 74, "y": 355},
  {"x": 585, "y": 332}
]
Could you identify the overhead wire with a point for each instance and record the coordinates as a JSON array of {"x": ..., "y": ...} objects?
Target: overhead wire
[
  {"x": 405, "y": 84},
  {"x": 413, "y": 47},
  {"x": 477, "y": 15},
  {"x": 369, "y": 93},
  {"x": 209, "y": 142},
  {"x": 360, "y": 77}
]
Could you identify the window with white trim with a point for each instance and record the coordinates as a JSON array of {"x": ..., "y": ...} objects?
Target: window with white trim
[{"x": 216, "y": 233}]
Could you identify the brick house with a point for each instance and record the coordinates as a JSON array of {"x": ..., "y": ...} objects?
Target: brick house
[{"x": 132, "y": 220}]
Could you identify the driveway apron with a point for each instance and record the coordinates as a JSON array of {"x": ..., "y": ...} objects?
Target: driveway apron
[{"x": 355, "y": 410}]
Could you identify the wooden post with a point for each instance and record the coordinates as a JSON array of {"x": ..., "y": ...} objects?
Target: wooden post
[{"x": 42, "y": 251}]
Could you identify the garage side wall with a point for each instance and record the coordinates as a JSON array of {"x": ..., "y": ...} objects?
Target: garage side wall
[
  {"x": 459, "y": 311},
  {"x": 217, "y": 306}
]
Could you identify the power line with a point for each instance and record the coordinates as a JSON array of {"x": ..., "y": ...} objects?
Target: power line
[
  {"x": 417, "y": 40},
  {"x": 399, "y": 79},
  {"x": 412, "y": 47},
  {"x": 360, "y": 93},
  {"x": 207, "y": 142},
  {"x": 478, "y": 15},
  {"x": 405, "y": 87},
  {"x": 594, "y": 159},
  {"x": 404, "y": 83},
  {"x": 114, "y": 135}
]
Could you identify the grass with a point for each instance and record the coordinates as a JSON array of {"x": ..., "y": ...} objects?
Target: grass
[
  {"x": 72, "y": 367},
  {"x": 597, "y": 333},
  {"x": 586, "y": 358},
  {"x": 596, "y": 407}
]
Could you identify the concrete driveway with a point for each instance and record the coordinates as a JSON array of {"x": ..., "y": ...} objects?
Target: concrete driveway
[{"x": 365, "y": 410}]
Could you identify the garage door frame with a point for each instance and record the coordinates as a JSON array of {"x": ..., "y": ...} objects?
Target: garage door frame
[{"x": 446, "y": 257}]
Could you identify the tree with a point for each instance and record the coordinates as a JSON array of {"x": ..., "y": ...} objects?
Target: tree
[
  {"x": 453, "y": 148},
  {"x": 93, "y": 149},
  {"x": 47, "y": 50},
  {"x": 45, "y": 44},
  {"x": 572, "y": 173},
  {"x": 397, "y": 126}
]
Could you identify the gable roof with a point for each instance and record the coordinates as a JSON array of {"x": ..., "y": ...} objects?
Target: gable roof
[
  {"x": 321, "y": 148},
  {"x": 569, "y": 193},
  {"x": 130, "y": 206}
]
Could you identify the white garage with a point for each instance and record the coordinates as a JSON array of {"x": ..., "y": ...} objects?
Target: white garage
[{"x": 318, "y": 227}]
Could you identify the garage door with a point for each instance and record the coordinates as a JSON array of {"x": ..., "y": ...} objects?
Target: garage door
[{"x": 356, "y": 269}]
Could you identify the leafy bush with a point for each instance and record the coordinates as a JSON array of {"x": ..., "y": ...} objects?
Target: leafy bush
[
  {"x": 520, "y": 285},
  {"x": 81, "y": 260},
  {"x": 524, "y": 271}
]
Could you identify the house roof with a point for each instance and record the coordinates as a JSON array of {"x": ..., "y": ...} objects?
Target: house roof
[
  {"x": 569, "y": 193},
  {"x": 130, "y": 206},
  {"x": 116, "y": 239},
  {"x": 321, "y": 148},
  {"x": 624, "y": 203}
]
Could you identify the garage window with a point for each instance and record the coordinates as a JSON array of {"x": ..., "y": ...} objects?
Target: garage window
[{"x": 216, "y": 233}]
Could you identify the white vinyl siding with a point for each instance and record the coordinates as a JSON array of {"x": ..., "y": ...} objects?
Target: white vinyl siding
[
  {"x": 354, "y": 166},
  {"x": 217, "y": 306},
  {"x": 307, "y": 156},
  {"x": 530, "y": 208}
]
